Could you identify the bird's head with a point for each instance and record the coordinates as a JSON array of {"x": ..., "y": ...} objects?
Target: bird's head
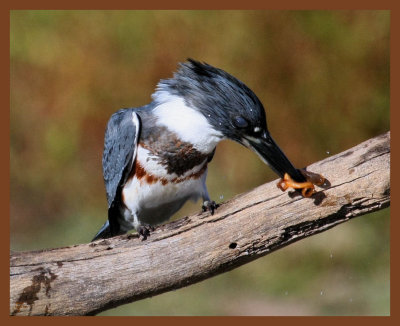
[{"x": 230, "y": 108}]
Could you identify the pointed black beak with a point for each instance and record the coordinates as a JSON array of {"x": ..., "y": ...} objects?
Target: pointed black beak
[{"x": 272, "y": 155}]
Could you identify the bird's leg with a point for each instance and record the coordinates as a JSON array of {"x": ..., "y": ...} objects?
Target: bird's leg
[
  {"x": 209, "y": 205},
  {"x": 144, "y": 231}
]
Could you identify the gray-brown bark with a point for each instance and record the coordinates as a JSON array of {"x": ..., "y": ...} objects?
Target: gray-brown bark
[{"x": 89, "y": 278}]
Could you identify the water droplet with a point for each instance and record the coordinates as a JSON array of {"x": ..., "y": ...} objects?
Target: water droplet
[
  {"x": 321, "y": 293},
  {"x": 221, "y": 197},
  {"x": 328, "y": 152}
]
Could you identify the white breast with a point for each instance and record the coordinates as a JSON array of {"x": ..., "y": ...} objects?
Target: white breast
[
  {"x": 189, "y": 124},
  {"x": 155, "y": 196}
]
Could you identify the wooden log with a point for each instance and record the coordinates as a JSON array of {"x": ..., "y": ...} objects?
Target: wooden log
[{"x": 88, "y": 278}]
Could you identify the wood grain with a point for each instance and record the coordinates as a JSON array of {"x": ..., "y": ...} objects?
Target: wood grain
[{"x": 88, "y": 278}]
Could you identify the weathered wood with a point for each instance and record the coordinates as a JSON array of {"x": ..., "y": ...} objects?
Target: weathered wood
[{"x": 89, "y": 278}]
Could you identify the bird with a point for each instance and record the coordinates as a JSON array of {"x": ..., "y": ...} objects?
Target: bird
[{"x": 156, "y": 156}]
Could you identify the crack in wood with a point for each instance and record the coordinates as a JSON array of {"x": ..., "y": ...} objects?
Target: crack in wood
[{"x": 30, "y": 293}]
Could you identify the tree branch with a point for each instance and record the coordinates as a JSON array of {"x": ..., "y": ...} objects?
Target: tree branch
[{"x": 88, "y": 278}]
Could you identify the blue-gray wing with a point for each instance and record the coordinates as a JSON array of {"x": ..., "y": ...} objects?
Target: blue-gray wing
[{"x": 120, "y": 147}]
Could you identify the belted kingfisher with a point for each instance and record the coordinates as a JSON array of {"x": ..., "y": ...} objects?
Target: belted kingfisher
[{"x": 155, "y": 157}]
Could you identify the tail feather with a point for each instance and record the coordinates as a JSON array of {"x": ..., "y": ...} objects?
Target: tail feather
[{"x": 104, "y": 233}]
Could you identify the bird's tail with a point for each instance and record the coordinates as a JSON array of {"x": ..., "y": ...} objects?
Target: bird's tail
[{"x": 104, "y": 233}]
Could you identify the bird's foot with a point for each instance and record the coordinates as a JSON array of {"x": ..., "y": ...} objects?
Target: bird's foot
[
  {"x": 209, "y": 205},
  {"x": 144, "y": 231}
]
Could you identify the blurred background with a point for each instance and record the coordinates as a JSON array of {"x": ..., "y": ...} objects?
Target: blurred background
[{"x": 323, "y": 77}]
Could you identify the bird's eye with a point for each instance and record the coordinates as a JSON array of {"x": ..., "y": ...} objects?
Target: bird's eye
[{"x": 240, "y": 122}]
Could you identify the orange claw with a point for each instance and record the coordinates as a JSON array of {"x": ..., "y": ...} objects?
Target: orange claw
[
  {"x": 314, "y": 178},
  {"x": 307, "y": 188}
]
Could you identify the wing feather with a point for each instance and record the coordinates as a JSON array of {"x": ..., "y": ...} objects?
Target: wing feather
[{"x": 120, "y": 148}]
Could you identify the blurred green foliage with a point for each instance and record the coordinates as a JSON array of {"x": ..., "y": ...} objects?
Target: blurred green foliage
[{"x": 323, "y": 77}]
